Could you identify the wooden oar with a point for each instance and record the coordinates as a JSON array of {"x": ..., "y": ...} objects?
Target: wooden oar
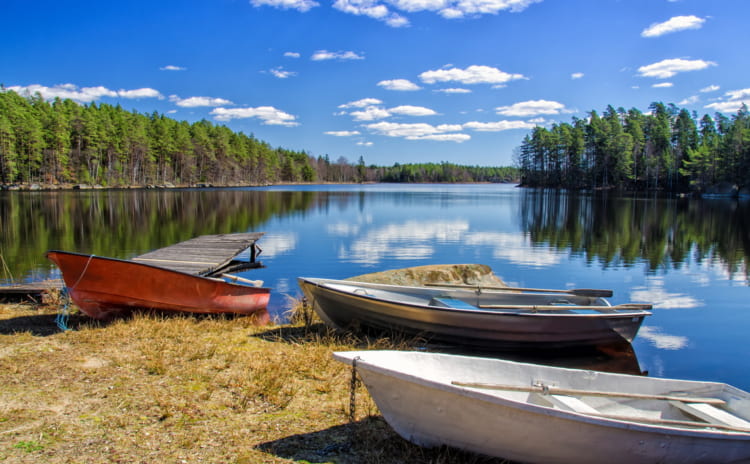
[
  {"x": 621, "y": 307},
  {"x": 552, "y": 390},
  {"x": 574, "y": 291},
  {"x": 254, "y": 283}
]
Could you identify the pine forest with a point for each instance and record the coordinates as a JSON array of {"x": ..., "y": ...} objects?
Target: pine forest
[
  {"x": 63, "y": 142},
  {"x": 668, "y": 149}
]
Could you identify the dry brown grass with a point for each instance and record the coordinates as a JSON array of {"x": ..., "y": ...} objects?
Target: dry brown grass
[{"x": 186, "y": 389}]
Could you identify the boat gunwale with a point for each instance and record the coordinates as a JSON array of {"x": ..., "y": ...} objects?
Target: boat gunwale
[
  {"x": 151, "y": 266},
  {"x": 617, "y": 313},
  {"x": 610, "y": 422}
]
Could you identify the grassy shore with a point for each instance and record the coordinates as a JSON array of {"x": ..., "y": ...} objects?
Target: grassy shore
[{"x": 185, "y": 389}]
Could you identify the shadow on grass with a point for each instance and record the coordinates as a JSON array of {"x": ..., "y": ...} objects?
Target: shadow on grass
[
  {"x": 370, "y": 440},
  {"x": 41, "y": 325},
  {"x": 618, "y": 358},
  {"x": 318, "y": 333},
  {"x": 44, "y": 322}
]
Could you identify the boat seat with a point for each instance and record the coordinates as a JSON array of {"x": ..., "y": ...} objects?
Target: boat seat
[
  {"x": 711, "y": 414},
  {"x": 451, "y": 303},
  {"x": 570, "y": 403}
]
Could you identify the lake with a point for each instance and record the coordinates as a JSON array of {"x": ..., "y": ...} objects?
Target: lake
[{"x": 689, "y": 257}]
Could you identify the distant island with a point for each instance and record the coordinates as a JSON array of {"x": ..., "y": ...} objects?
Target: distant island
[
  {"x": 63, "y": 144},
  {"x": 665, "y": 150}
]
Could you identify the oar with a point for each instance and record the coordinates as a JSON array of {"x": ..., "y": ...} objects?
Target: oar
[
  {"x": 575, "y": 291},
  {"x": 234, "y": 278},
  {"x": 621, "y": 307},
  {"x": 552, "y": 390}
]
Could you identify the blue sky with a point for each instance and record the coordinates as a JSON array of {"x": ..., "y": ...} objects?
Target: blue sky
[{"x": 391, "y": 81}]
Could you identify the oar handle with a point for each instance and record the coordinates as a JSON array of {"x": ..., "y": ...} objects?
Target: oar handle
[{"x": 255, "y": 283}]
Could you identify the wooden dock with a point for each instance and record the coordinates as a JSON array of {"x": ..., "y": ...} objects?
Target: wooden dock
[
  {"x": 206, "y": 254},
  {"x": 34, "y": 291}
]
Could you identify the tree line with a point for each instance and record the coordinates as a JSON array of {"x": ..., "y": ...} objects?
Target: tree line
[
  {"x": 665, "y": 149},
  {"x": 63, "y": 142}
]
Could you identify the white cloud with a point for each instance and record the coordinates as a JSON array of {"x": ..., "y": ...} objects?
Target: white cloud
[
  {"x": 291, "y": 54},
  {"x": 453, "y": 90},
  {"x": 268, "y": 114},
  {"x": 710, "y": 88},
  {"x": 140, "y": 93},
  {"x": 691, "y": 100},
  {"x": 419, "y": 131},
  {"x": 361, "y": 103},
  {"x": 299, "y": 5},
  {"x": 498, "y": 126},
  {"x": 281, "y": 73},
  {"x": 194, "y": 102},
  {"x": 380, "y": 10},
  {"x": 667, "y": 68},
  {"x": 576, "y": 75},
  {"x": 413, "y": 6},
  {"x": 662, "y": 85},
  {"x": 323, "y": 55},
  {"x": 532, "y": 108},
  {"x": 475, "y": 74},
  {"x": 84, "y": 94},
  {"x": 409, "y": 110},
  {"x": 399, "y": 84},
  {"x": 342, "y": 133},
  {"x": 462, "y": 8},
  {"x": 458, "y": 138},
  {"x": 370, "y": 113},
  {"x": 364, "y": 144},
  {"x": 675, "y": 24},
  {"x": 738, "y": 94},
  {"x": 172, "y": 68},
  {"x": 732, "y": 106},
  {"x": 736, "y": 98},
  {"x": 372, "y": 9}
]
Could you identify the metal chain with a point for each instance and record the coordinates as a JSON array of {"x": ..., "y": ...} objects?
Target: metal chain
[{"x": 352, "y": 390}]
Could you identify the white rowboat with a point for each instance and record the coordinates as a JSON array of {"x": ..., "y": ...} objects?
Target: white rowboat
[{"x": 541, "y": 414}]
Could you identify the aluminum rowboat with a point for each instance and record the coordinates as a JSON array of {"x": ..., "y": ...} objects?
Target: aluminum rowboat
[{"x": 496, "y": 319}]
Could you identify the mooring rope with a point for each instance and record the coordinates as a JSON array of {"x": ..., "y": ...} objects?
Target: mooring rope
[
  {"x": 353, "y": 390},
  {"x": 62, "y": 317},
  {"x": 64, "y": 314}
]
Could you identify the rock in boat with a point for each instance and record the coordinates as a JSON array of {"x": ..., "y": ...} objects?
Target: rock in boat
[
  {"x": 542, "y": 414},
  {"x": 477, "y": 314}
]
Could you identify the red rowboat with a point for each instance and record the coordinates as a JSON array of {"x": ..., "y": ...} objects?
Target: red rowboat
[{"x": 105, "y": 287}]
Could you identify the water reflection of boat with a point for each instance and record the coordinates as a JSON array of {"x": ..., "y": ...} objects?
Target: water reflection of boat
[
  {"x": 481, "y": 316},
  {"x": 532, "y": 413},
  {"x": 618, "y": 358}
]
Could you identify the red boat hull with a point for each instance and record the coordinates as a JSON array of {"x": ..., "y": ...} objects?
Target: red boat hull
[{"x": 106, "y": 287}]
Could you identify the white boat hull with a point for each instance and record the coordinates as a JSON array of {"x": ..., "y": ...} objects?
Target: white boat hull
[{"x": 416, "y": 397}]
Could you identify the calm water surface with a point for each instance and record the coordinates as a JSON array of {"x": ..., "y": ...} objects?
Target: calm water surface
[{"x": 688, "y": 257}]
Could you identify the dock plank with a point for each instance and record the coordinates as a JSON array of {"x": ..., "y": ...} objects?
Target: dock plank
[
  {"x": 34, "y": 291},
  {"x": 202, "y": 255}
]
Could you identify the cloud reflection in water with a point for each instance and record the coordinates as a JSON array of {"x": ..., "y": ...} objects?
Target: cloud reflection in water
[
  {"x": 657, "y": 295},
  {"x": 661, "y": 340},
  {"x": 406, "y": 241}
]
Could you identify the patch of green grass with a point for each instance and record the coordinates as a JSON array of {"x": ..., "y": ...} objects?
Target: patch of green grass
[{"x": 29, "y": 446}]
